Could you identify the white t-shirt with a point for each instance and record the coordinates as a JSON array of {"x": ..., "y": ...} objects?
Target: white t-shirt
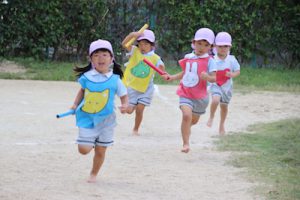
[{"x": 229, "y": 62}]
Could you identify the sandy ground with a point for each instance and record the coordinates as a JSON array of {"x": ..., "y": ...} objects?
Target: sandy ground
[{"x": 39, "y": 160}]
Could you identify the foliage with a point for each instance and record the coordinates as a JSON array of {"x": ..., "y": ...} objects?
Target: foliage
[
  {"x": 264, "y": 31},
  {"x": 30, "y": 28},
  {"x": 265, "y": 28}
]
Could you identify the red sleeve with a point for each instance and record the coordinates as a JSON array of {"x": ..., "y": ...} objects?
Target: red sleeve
[{"x": 182, "y": 63}]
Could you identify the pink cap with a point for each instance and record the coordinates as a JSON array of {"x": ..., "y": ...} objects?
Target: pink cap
[
  {"x": 205, "y": 34},
  {"x": 147, "y": 35},
  {"x": 100, "y": 44},
  {"x": 223, "y": 38}
]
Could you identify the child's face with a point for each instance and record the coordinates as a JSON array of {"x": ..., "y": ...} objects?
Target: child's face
[
  {"x": 223, "y": 50},
  {"x": 101, "y": 61},
  {"x": 145, "y": 46},
  {"x": 201, "y": 47}
]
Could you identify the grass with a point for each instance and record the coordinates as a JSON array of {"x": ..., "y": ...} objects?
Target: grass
[
  {"x": 172, "y": 68},
  {"x": 42, "y": 70},
  {"x": 271, "y": 154},
  {"x": 271, "y": 79}
]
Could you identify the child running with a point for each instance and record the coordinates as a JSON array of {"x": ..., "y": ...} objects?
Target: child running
[
  {"x": 197, "y": 68},
  {"x": 222, "y": 92},
  {"x": 138, "y": 77},
  {"x": 94, "y": 103}
]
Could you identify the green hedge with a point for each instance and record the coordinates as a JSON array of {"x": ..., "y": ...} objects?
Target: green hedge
[{"x": 264, "y": 31}]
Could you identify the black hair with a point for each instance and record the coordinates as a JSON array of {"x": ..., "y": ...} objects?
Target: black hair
[
  {"x": 117, "y": 69},
  {"x": 81, "y": 70}
]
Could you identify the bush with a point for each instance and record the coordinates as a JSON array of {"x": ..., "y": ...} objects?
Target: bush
[{"x": 264, "y": 32}]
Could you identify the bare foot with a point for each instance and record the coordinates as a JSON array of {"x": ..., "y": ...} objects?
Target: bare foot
[
  {"x": 222, "y": 130},
  {"x": 185, "y": 148},
  {"x": 210, "y": 122},
  {"x": 92, "y": 179},
  {"x": 135, "y": 133}
]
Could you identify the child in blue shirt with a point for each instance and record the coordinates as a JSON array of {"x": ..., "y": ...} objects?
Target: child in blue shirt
[{"x": 94, "y": 103}]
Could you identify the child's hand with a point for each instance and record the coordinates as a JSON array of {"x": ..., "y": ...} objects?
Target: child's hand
[
  {"x": 229, "y": 74},
  {"x": 167, "y": 77},
  {"x": 74, "y": 107},
  {"x": 123, "y": 108},
  {"x": 204, "y": 76}
]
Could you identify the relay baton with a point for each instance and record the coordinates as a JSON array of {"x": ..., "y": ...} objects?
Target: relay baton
[
  {"x": 133, "y": 39},
  {"x": 221, "y": 77},
  {"x": 161, "y": 72},
  {"x": 70, "y": 112}
]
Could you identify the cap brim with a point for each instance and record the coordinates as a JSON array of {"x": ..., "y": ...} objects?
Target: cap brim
[
  {"x": 223, "y": 44},
  {"x": 199, "y": 38},
  {"x": 144, "y": 38}
]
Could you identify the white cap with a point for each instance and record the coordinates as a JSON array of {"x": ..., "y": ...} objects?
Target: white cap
[
  {"x": 205, "y": 34},
  {"x": 100, "y": 44},
  {"x": 147, "y": 35},
  {"x": 223, "y": 38}
]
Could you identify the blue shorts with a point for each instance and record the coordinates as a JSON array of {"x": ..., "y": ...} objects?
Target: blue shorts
[
  {"x": 136, "y": 97},
  {"x": 101, "y": 135},
  {"x": 198, "y": 106}
]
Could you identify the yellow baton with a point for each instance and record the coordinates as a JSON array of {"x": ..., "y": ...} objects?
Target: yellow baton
[{"x": 133, "y": 39}]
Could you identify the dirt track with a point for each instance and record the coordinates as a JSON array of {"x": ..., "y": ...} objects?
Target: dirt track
[{"x": 39, "y": 159}]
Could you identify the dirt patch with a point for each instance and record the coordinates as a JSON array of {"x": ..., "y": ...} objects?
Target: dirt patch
[{"x": 7, "y": 66}]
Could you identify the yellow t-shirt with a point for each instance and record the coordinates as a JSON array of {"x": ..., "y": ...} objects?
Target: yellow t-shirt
[{"x": 138, "y": 74}]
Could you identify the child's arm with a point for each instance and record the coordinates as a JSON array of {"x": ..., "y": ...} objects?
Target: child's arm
[
  {"x": 124, "y": 104},
  {"x": 162, "y": 67},
  {"x": 168, "y": 77},
  {"x": 233, "y": 74},
  {"x": 210, "y": 77},
  {"x": 122, "y": 93},
  {"x": 78, "y": 98},
  {"x": 129, "y": 37}
]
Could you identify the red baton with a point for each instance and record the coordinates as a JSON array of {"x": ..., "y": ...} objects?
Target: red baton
[{"x": 161, "y": 72}]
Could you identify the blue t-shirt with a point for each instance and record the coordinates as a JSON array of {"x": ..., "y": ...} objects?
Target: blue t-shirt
[{"x": 98, "y": 101}]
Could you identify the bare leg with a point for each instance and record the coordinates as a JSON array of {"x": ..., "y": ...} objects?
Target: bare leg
[
  {"x": 223, "y": 112},
  {"x": 213, "y": 107},
  {"x": 130, "y": 109},
  {"x": 195, "y": 119},
  {"x": 186, "y": 128},
  {"x": 97, "y": 163},
  {"x": 84, "y": 149},
  {"x": 139, "y": 111}
]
